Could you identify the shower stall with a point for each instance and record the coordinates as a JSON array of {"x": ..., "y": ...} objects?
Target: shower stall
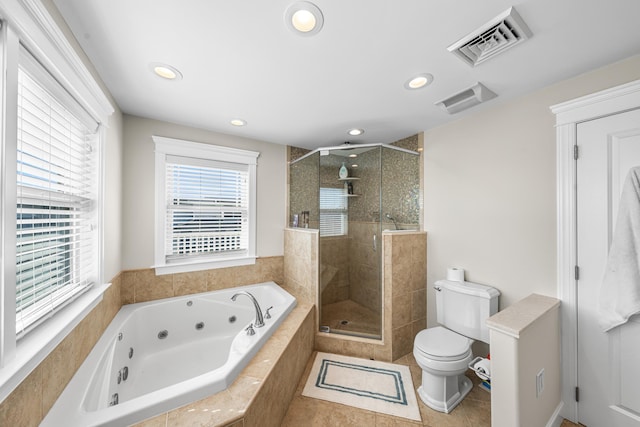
[{"x": 380, "y": 190}]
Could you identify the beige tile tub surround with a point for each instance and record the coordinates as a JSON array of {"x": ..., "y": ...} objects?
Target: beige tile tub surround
[
  {"x": 404, "y": 277},
  {"x": 31, "y": 400},
  {"x": 524, "y": 339},
  {"x": 143, "y": 285},
  {"x": 261, "y": 394}
]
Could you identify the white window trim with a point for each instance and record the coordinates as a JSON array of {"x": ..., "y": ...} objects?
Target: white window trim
[
  {"x": 28, "y": 22},
  {"x": 176, "y": 147}
]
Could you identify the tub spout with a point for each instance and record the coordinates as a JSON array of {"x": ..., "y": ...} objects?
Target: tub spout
[{"x": 259, "y": 319}]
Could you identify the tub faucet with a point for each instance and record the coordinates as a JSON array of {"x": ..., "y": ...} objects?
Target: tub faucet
[{"x": 259, "y": 323}]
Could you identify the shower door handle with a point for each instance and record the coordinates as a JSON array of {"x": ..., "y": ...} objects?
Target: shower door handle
[{"x": 375, "y": 243}]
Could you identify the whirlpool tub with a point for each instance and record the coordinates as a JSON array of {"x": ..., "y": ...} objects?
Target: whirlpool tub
[{"x": 159, "y": 355}]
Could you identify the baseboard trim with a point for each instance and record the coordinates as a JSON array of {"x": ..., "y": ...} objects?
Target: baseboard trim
[{"x": 556, "y": 419}]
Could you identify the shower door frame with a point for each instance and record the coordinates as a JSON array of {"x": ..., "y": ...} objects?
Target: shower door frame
[{"x": 357, "y": 230}]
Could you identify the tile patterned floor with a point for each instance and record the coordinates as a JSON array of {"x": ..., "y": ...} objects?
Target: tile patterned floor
[{"x": 473, "y": 411}]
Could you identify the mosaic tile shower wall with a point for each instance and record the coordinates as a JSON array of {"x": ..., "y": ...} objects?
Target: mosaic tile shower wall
[
  {"x": 304, "y": 189},
  {"x": 400, "y": 189},
  {"x": 400, "y": 184},
  {"x": 385, "y": 195}
]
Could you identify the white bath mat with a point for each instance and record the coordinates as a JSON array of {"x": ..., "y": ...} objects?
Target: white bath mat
[{"x": 367, "y": 384}]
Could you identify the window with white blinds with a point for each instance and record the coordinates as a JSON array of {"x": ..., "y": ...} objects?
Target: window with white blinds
[
  {"x": 333, "y": 211},
  {"x": 207, "y": 207},
  {"x": 56, "y": 198}
]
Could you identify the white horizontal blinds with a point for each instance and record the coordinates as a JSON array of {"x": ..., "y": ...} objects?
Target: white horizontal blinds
[
  {"x": 207, "y": 208},
  {"x": 56, "y": 196},
  {"x": 333, "y": 211}
]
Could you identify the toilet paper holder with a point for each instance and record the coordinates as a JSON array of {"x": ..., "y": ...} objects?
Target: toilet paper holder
[{"x": 480, "y": 371}]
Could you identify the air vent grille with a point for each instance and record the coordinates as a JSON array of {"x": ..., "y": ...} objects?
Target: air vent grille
[
  {"x": 501, "y": 33},
  {"x": 467, "y": 98}
]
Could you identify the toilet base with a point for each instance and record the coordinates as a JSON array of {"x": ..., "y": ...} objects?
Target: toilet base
[{"x": 450, "y": 390}]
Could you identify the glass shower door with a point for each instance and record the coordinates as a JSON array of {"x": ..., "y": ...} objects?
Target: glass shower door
[{"x": 350, "y": 242}]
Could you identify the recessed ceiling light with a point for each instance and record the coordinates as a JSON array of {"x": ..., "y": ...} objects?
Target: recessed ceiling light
[
  {"x": 303, "y": 21},
  {"x": 166, "y": 71},
  {"x": 419, "y": 81},
  {"x": 353, "y": 156},
  {"x": 354, "y": 166},
  {"x": 238, "y": 122},
  {"x": 304, "y": 18},
  {"x": 355, "y": 132}
]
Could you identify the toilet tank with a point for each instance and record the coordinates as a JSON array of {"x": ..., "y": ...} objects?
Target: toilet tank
[{"x": 464, "y": 307}]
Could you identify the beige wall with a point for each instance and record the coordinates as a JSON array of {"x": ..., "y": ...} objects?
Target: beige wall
[
  {"x": 138, "y": 183},
  {"x": 490, "y": 190},
  {"x": 113, "y": 197}
]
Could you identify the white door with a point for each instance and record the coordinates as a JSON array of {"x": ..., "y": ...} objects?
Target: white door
[{"x": 608, "y": 363}]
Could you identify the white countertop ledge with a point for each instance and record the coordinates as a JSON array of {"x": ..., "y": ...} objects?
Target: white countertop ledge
[{"x": 516, "y": 318}]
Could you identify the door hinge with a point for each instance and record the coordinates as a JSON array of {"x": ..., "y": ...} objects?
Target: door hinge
[
  {"x": 576, "y": 272},
  {"x": 575, "y": 152},
  {"x": 577, "y": 394}
]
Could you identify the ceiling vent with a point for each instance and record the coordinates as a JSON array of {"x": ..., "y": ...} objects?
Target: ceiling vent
[
  {"x": 474, "y": 95},
  {"x": 501, "y": 33}
]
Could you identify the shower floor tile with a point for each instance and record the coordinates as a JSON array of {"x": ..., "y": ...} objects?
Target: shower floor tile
[{"x": 350, "y": 317}]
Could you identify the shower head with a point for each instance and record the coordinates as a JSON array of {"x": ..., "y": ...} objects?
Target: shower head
[{"x": 392, "y": 219}]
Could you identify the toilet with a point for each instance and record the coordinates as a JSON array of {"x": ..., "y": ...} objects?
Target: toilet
[{"x": 444, "y": 352}]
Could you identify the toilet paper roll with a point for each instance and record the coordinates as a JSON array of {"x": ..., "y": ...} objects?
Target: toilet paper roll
[
  {"x": 455, "y": 274},
  {"x": 483, "y": 369}
]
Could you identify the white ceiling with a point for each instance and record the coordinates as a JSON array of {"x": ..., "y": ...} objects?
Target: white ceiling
[{"x": 239, "y": 60}]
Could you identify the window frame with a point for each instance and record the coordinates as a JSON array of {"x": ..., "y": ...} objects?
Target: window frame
[
  {"x": 29, "y": 23},
  {"x": 82, "y": 252},
  {"x": 342, "y": 212},
  {"x": 171, "y": 147}
]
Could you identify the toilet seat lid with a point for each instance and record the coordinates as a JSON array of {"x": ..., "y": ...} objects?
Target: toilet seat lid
[{"x": 442, "y": 343}]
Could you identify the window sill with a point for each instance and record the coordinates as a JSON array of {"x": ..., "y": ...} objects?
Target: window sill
[
  {"x": 200, "y": 265},
  {"x": 36, "y": 346}
]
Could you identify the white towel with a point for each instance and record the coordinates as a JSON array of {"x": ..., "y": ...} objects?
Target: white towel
[{"x": 620, "y": 290}]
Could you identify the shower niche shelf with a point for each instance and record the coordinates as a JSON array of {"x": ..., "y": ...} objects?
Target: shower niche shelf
[{"x": 347, "y": 179}]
